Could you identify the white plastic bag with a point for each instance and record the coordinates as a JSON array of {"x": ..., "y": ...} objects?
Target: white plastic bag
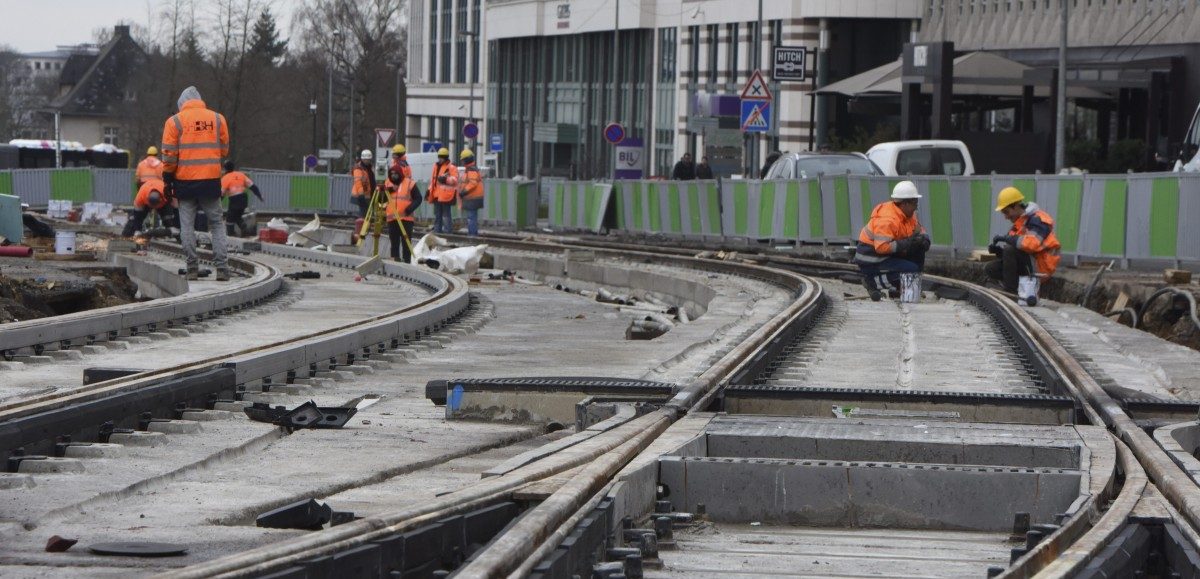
[{"x": 277, "y": 223}]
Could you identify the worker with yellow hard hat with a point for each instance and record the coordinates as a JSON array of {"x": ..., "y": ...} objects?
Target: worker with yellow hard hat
[
  {"x": 400, "y": 161},
  {"x": 471, "y": 192},
  {"x": 1030, "y": 247},
  {"x": 150, "y": 167},
  {"x": 443, "y": 189}
]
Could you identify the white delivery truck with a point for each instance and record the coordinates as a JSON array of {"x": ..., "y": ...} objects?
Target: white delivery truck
[
  {"x": 1189, "y": 151},
  {"x": 922, "y": 158}
]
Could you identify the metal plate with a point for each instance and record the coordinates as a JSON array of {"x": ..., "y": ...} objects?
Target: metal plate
[{"x": 138, "y": 549}]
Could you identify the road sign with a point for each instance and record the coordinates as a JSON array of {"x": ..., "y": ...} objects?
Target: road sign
[
  {"x": 614, "y": 133},
  {"x": 630, "y": 159},
  {"x": 756, "y": 116},
  {"x": 470, "y": 130},
  {"x": 330, "y": 153},
  {"x": 789, "y": 63},
  {"x": 310, "y": 161},
  {"x": 383, "y": 137},
  {"x": 430, "y": 147},
  {"x": 496, "y": 142},
  {"x": 756, "y": 88}
]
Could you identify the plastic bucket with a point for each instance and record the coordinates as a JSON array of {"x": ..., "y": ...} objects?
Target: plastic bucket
[
  {"x": 64, "y": 242},
  {"x": 910, "y": 288},
  {"x": 1027, "y": 289}
]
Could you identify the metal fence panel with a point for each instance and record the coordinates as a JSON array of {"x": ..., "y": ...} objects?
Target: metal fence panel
[
  {"x": 1188, "y": 244},
  {"x": 32, "y": 186},
  {"x": 114, "y": 186}
]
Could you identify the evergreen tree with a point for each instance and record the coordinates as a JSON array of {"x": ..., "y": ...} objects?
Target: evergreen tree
[{"x": 266, "y": 42}]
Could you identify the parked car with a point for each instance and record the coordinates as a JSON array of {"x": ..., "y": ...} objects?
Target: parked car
[
  {"x": 922, "y": 158},
  {"x": 1189, "y": 151},
  {"x": 807, "y": 165}
]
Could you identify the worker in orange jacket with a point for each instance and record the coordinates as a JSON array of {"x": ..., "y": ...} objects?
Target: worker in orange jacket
[
  {"x": 150, "y": 167},
  {"x": 443, "y": 190},
  {"x": 403, "y": 198},
  {"x": 400, "y": 161},
  {"x": 1030, "y": 247},
  {"x": 892, "y": 242},
  {"x": 472, "y": 191},
  {"x": 234, "y": 186},
  {"x": 363, "y": 184},
  {"x": 151, "y": 196},
  {"x": 194, "y": 142}
]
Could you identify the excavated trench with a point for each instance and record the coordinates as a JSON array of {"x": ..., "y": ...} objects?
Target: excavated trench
[{"x": 31, "y": 291}]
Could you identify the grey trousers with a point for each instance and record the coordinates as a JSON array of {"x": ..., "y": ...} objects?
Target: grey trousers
[{"x": 216, "y": 227}]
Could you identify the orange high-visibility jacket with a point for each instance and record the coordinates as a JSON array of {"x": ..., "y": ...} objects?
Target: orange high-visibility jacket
[
  {"x": 362, "y": 181},
  {"x": 888, "y": 225},
  {"x": 1033, "y": 233},
  {"x": 402, "y": 166},
  {"x": 443, "y": 192},
  {"x": 235, "y": 183},
  {"x": 472, "y": 183},
  {"x": 194, "y": 141},
  {"x": 149, "y": 168},
  {"x": 142, "y": 201},
  {"x": 400, "y": 197}
]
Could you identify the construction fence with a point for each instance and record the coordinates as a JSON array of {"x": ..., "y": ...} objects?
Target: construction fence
[{"x": 1135, "y": 216}]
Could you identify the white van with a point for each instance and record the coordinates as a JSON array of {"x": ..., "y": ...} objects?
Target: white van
[{"x": 922, "y": 158}]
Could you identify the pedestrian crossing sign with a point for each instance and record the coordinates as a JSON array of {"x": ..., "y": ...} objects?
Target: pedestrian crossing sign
[{"x": 756, "y": 116}]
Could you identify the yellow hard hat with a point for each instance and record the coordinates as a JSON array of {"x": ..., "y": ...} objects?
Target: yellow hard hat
[
  {"x": 443, "y": 152},
  {"x": 1008, "y": 196},
  {"x": 465, "y": 153},
  {"x": 152, "y": 150},
  {"x": 399, "y": 150}
]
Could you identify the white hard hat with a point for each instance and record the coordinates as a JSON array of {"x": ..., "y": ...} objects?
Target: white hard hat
[
  {"x": 905, "y": 190},
  {"x": 366, "y": 155}
]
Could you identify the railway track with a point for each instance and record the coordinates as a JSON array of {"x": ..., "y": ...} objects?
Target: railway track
[{"x": 962, "y": 431}]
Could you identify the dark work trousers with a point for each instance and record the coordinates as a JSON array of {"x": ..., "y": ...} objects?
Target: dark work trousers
[
  {"x": 398, "y": 245},
  {"x": 1013, "y": 264},
  {"x": 237, "y": 208},
  {"x": 885, "y": 275},
  {"x": 138, "y": 220},
  {"x": 363, "y": 201}
]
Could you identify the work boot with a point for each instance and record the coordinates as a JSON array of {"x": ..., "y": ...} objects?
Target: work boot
[
  {"x": 871, "y": 290},
  {"x": 222, "y": 274},
  {"x": 193, "y": 273}
]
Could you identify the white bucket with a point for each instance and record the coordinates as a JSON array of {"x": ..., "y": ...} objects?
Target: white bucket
[
  {"x": 64, "y": 242},
  {"x": 1027, "y": 290},
  {"x": 910, "y": 288}
]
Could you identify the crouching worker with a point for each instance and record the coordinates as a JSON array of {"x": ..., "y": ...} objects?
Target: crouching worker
[
  {"x": 151, "y": 197},
  {"x": 1030, "y": 248},
  {"x": 892, "y": 242},
  {"x": 403, "y": 198},
  {"x": 234, "y": 186}
]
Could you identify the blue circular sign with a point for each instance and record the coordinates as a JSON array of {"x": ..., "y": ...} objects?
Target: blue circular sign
[
  {"x": 470, "y": 130},
  {"x": 614, "y": 133},
  {"x": 310, "y": 161}
]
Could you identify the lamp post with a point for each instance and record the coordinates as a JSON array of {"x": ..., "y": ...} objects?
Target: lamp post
[
  {"x": 312, "y": 108},
  {"x": 329, "y": 106},
  {"x": 467, "y": 75}
]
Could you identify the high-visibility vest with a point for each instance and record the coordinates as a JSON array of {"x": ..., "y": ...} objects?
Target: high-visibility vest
[
  {"x": 362, "y": 181},
  {"x": 149, "y": 168},
  {"x": 1034, "y": 233},
  {"x": 402, "y": 166},
  {"x": 888, "y": 225},
  {"x": 194, "y": 141},
  {"x": 142, "y": 201},
  {"x": 444, "y": 192},
  {"x": 399, "y": 198},
  {"x": 235, "y": 183},
  {"x": 472, "y": 183}
]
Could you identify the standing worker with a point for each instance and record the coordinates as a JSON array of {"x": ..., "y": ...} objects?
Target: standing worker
[
  {"x": 151, "y": 197},
  {"x": 364, "y": 182},
  {"x": 892, "y": 242},
  {"x": 472, "y": 191},
  {"x": 233, "y": 186},
  {"x": 443, "y": 188},
  {"x": 403, "y": 198},
  {"x": 194, "y": 142},
  {"x": 400, "y": 160},
  {"x": 1030, "y": 248},
  {"x": 150, "y": 167}
]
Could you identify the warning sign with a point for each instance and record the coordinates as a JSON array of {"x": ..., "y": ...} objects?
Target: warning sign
[
  {"x": 756, "y": 116},
  {"x": 756, "y": 88},
  {"x": 383, "y": 137}
]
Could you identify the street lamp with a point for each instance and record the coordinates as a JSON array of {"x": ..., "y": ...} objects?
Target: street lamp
[
  {"x": 471, "y": 99},
  {"x": 312, "y": 108},
  {"x": 329, "y": 112}
]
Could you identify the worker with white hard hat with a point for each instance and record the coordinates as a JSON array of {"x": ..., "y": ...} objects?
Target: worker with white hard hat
[
  {"x": 892, "y": 242},
  {"x": 363, "y": 185}
]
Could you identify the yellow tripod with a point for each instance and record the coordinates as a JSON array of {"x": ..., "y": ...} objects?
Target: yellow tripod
[{"x": 373, "y": 221}]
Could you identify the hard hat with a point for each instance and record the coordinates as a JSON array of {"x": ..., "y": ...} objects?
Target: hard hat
[
  {"x": 155, "y": 198},
  {"x": 465, "y": 153},
  {"x": 1008, "y": 196},
  {"x": 399, "y": 150},
  {"x": 443, "y": 152},
  {"x": 905, "y": 190},
  {"x": 366, "y": 155},
  {"x": 152, "y": 150}
]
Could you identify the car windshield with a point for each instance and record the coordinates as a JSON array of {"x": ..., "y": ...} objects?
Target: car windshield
[{"x": 811, "y": 166}]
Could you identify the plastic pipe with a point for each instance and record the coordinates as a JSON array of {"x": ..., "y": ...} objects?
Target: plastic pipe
[{"x": 16, "y": 251}]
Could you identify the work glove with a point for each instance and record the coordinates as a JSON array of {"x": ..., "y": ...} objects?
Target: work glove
[
  {"x": 441, "y": 179},
  {"x": 904, "y": 246},
  {"x": 1004, "y": 239},
  {"x": 995, "y": 249},
  {"x": 921, "y": 241}
]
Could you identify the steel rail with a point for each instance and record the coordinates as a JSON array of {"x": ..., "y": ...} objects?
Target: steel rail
[{"x": 604, "y": 454}]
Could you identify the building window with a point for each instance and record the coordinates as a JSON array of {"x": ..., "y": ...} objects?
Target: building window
[
  {"x": 433, "y": 16},
  {"x": 666, "y": 51},
  {"x": 714, "y": 42},
  {"x": 731, "y": 54},
  {"x": 447, "y": 33},
  {"x": 475, "y": 41},
  {"x": 460, "y": 43},
  {"x": 694, "y": 54},
  {"x": 110, "y": 136}
]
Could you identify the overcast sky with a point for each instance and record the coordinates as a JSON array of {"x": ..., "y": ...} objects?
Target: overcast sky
[{"x": 40, "y": 25}]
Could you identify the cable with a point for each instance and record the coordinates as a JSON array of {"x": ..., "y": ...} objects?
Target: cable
[
  {"x": 1172, "y": 290},
  {"x": 1132, "y": 315}
]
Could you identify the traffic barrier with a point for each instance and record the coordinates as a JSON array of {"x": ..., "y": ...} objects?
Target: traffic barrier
[
  {"x": 1162, "y": 216},
  {"x": 579, "y": 205},
  {"x": 509, "y": 202},
  {"x": 687, "y": 208}
]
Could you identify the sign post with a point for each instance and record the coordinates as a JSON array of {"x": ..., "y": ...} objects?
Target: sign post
[{"x": 756, "y": 105}]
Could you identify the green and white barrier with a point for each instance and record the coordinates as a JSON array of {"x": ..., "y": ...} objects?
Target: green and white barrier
[
  {"x": 685, "y": 208},
  {"x": 579, "y": 205},
  {"x": 511, "y": 203}
]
